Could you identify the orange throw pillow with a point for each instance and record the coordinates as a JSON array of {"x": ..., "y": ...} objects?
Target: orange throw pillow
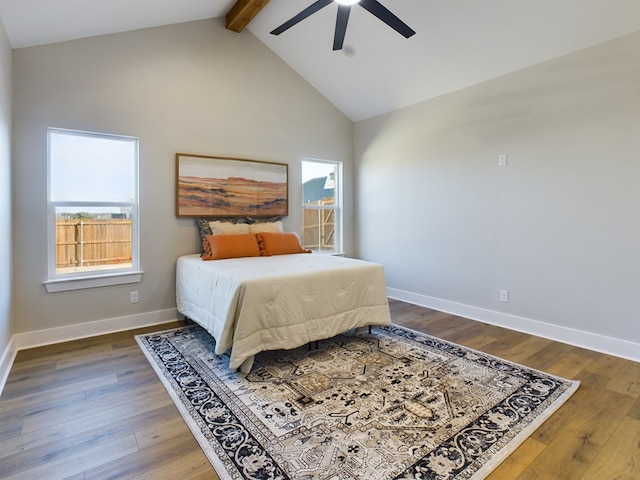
[
  {"x": 218, "y": 247},
  {"x": 279, "y": 244}
]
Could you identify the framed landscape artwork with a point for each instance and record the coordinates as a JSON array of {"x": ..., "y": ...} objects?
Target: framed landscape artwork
[{"x": 209, "y": 186}]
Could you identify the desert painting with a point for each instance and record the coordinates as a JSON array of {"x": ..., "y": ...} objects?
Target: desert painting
[{"x": 229, "y": 187}]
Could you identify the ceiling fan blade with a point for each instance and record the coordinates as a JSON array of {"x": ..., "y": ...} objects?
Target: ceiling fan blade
[
  {"x": 341, "y": 26},
  {"x": 310, "y": 10},
  {"x": 380, "y": 11}
]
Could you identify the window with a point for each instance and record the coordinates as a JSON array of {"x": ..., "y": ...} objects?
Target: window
[
  {"x": 92, "y": 210},
  {"x": 321, "y": 206}
]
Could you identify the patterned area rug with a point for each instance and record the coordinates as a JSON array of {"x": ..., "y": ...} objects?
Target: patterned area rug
[{"x": 393, "y": 404}]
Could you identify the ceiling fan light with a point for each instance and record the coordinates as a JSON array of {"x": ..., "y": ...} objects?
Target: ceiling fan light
[{"x": 347, "y": 2}]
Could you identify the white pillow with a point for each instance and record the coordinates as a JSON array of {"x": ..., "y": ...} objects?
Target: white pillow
[
  {"x": 268, "y": 227},
  {"x": 228, "y": 228}
]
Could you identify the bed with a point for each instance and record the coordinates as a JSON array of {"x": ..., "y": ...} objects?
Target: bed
[{"x": 261, "y": 303}]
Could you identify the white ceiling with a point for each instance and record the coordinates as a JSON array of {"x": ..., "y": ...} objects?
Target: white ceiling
[{"x": 458, "y": 42}]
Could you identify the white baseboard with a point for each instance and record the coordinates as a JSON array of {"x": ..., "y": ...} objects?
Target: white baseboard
[
  {"x": 6, "y": 361},
  {"x": 579, "y": 338},
  {"x": 38, "y": 338}
]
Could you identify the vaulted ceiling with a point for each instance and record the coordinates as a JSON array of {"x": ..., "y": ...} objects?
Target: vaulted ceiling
[{"x": 458, "y": 42}]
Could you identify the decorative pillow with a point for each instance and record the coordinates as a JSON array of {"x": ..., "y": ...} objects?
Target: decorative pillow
[
  {"x": 271, "y": 227},
  {"x": 204, "y": 227},
  {"x": 279, "y": 244},
  {"x": 203, "y": 230},
  {"x": 228, "y": 228},
  {"x": 218, "y": 247}
]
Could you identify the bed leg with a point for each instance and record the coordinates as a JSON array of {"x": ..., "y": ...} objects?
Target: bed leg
[{"x": 247, "y": 365}]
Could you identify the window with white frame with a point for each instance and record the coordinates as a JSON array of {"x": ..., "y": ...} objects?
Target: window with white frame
[
  {"x": 92, "y": 210},
  {"x": 322, "y": 206}
]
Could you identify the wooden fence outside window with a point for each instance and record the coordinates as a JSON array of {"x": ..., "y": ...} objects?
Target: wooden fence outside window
[
  {"x": 93, "y": 243},
  {"x": 319, "y": 227}
]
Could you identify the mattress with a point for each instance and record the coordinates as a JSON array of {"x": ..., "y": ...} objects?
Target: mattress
[{"x": 255, "y": 304}]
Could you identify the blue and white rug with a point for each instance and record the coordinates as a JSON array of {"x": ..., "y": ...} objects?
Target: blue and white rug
[{"x": 393, "y": 404}]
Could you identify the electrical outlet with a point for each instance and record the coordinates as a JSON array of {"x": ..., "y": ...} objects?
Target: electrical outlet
[
  {"x": 504, "y": 296},
  {"x": 502, "y": 160},
  {"x": 134, "y": 297}
]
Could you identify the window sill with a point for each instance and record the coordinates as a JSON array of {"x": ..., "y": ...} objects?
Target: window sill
[{"x": 79, "y": 283}]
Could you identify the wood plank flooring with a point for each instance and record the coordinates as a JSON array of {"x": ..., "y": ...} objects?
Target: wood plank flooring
[{"x": 94, "y": 409}]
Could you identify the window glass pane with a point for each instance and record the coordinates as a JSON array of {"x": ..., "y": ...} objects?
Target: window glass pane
[
  {"x": 318, "y": 183},
  {"x": 90, "y": 238},
  {"x": 91, "y": 167},
  {"x": 319, "y": 229},
  {"x": 320, "y": 208},
  {"x": 93, "y": 205}
]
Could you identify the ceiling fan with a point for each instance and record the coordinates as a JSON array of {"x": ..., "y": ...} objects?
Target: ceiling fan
[{"x": 344, "y": 9}]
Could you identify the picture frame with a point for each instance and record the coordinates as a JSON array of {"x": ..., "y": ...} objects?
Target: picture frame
[{"x": 213, "y": 186}]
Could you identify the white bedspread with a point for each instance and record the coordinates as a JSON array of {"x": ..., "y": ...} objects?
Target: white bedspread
[{"x": 280, "y": 302}]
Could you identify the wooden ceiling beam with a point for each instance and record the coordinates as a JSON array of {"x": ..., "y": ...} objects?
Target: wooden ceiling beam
[{"x": 242, "y": 13}]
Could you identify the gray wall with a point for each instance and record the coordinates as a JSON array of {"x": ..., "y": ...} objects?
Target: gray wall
[
  {"x": 558, "y": 227},
  {"x": 194, "y": 88},
  {"x": 5, "y": 192}
]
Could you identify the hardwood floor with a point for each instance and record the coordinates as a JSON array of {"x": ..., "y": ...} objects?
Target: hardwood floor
[{"x": 94, "y": 409}]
